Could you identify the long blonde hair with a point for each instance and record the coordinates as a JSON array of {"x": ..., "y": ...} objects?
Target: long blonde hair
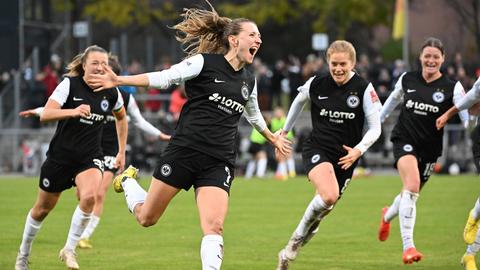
[
  {"x": 204, "y": 31},
  {"x": 75, "y": 68}
]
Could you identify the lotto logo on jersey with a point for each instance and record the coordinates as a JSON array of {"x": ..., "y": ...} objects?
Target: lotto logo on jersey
[
  {"x": 227, "y": 105},
  {"x": 336, "y": 116},
  {"x": 420, "y": 107}
]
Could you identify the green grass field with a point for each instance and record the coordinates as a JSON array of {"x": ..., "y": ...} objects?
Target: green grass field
[{"x": 262, "y": 215}]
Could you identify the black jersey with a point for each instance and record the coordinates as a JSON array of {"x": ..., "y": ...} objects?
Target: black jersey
[
  {"x": 422, "y": 104},
  {"x": 337, "y": 113},
  {"x": 216, "y": 100},
  {"x": 79, "y": 139},
  {"x": 109, "y": 134}
]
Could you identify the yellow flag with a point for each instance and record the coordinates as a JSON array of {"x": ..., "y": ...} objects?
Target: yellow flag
[{"x": 399, "y": 20}]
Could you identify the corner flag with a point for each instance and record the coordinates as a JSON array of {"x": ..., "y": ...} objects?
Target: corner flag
[{"x": 399, "y": 20}]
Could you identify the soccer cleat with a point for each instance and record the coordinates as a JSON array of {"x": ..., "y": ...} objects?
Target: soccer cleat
[
  {"x": 411, "y": 255},
  {"x": 22, "y": 262},
  {"x": 293, "y": 246},
  {"x": 283, "y": 261},
  {"x": 311, "y": 232},
  {"x": 384, "y": 229},
  {"x": 85, "y": 243},
  {"x": 130, "y": 172},
  {"x": 468, "y": 262},
  {"x": 70, "y": 258},
  {"x": 292, "y": 174},
  {"x": 471, "y": 228}
]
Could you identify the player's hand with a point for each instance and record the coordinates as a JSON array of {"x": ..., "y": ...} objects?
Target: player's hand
[
  {"x": 441, "y": 121},
  {"x": 82, "y": 111},
  {"x": 120, "y": 161},
  {"x": 352, "y": 155},
  {"x": 106, "y": 80},
  {"x": 28, "y": 113},
  {"x": 282, "y": 145},
  {"x": 164, "y": 137}
]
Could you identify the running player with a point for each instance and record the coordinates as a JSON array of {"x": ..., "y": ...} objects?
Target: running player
[
  {"x": 416, "y": 142},
  {"x": 110, "y": 148},
  {"x": 471, "y": 235},
  {"x": 202, "y": 151},
  {"x": 75, "y": 156},
  {"x": 341, "y": 102}
]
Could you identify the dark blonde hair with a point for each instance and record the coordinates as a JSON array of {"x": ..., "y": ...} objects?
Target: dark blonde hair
[
  {"x": 433, "y": 42},
  {"x": 114, "y": 63},
  {"x": 204, "y": 31},
  {"x": 75, "y": 67},
  {"x": 342, "y": 46}
]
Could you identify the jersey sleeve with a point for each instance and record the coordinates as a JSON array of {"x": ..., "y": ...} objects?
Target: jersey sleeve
[
  {"x": 393, "y": 99},
  {"x": 138, "y": 120},
  {"x": 119, "y": 102},
  {"x": 458, "y": 94},
  {"x": 371, "y": 102},
  {"x": 472, "y": 97},
  {"x": 252, "y": 111},
  {"x": 178, "y": 73},
  {"x": 297, "y": 105},
  {"x": 61, "y": 92}
]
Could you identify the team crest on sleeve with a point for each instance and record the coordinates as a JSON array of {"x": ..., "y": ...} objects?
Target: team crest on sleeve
[
  {"x": 166, "y": 170},
  {"x": 46, "y": 182},
  {"x": 353, "y": 101},
  {"x": 438, "y": 97},
  {"x": 408, "y": 148},
  {"x": 245, "y": 91},
  {"x": 315, "y": 158},
  {"x": 104, "y": 105}
]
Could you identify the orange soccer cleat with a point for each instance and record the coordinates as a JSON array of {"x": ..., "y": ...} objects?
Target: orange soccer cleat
[
  {"x": 411, "y": 255},
  {"x": 384, "y": 229}
]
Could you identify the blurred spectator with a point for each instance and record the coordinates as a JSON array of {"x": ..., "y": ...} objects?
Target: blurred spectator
[
  {"x": 153, "y": 104},
  {"x": 134, "y": 68},
  {"x": 263, "y": 75},
  {"x": 50, "y": 75},
  {"x": 279, "y": 73},
  {"x": 295, "y": 79},
  {"x": 178, "y": 98}
]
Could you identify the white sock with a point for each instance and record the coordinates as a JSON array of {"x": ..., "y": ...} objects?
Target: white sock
[
  {"x": 316, "y": 210},
  {"x": 282, "y": 168},
  {"x": 407, "y": 215},
  {"x": 29, "y": 232},
  {"x": 80, "y": 220},
  {"x": 134, "y": 193},
  {"x": 393, "y": 209},
  {"x": 261, "y": 167},
  {"x": 291, "y": 165},
  {"x": 475, "y": 247},
  {"x": 92, "y": 224},
  {"x": 211, "y": 252},
  {"x": 476, "y": 210},
  {"x": 250, "y": 169}
]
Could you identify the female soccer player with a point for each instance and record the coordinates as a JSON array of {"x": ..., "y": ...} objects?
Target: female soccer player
[
  {"x": 110, "y": 148},
  {"x": 341, "y": 102},
  {"x": 202, "y": 151},
  {"x": 75, "y": 157},
  {"x": 471, "y": 235},
  {"x": 416, "y": 141}
]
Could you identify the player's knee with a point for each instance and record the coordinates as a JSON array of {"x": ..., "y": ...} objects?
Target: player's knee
[
  {"x": 214, "y": 226},
  {"x": 40, "y": 212},
  {"x": 330, "y": 198},
  {"x": 147, "y": 221},
  {"x": 88, "y": 200},
  {"x": 99, "y": 197}
]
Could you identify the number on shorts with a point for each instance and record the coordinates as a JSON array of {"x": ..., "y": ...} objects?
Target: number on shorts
[{"x": 428, "y": 169}]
